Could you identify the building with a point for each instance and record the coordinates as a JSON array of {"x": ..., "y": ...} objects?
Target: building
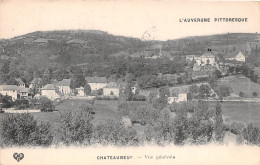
[
  {"x": 237, "y": 57},
  {"x": 207, "y": 58},
  {"x": 10, "y": 90},
  {"x": 20, "y": 82},
  {"x": 182, "y": 97},
  {"x": 97, "y": 83},
  {"x": 50, "y": 92},
  {"x": 80, "y": 91},
  {"x": 24, "y": 92},
  {"x": 112, "y": 89},
  {"x": 64, "y": 86},
  {"x": 178, "y": 94}
]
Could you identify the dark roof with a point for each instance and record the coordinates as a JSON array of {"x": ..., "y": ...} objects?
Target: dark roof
[
  {"x": 48, "y": 87},
  {"x": 64, "y": 82},
  {"x": 112, "y": 85},
  {"x": 208, "y": 55},
  {"x": 96, "y": 80},
  {"x": 233, "y": 54},
  {"x": 8, "y": 87},
  {"x": 24, "y": 90}
]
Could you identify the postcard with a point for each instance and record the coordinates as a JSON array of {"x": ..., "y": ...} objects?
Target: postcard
[{"x": 129, "y": 82}]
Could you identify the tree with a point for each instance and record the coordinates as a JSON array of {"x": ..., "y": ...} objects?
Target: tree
[
  {"x": 219, "y": 126},
  {"x": 204, "y": 91},
  {"x": 87, "y": 89},
  {"x": 194, "y": 89},
  {"x": 75, "y": 127},
  {"x": 241, "y": 94},
  {"x": 164, "y": 92},
  {"x": 218, "y": 74},
  {"x": 78, "y": 79},
  {"x": 46, "y": 105},
  {"x": 223, "y": 91},
  {"x": 23, "y": 130},
  {"x": 255, "y": 94},
  {"x": 152, "y": 96},
  {"x": 6, "y": 101},
  {"x": 100, "y": 91}
]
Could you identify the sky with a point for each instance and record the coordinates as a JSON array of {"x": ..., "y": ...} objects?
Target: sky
[{"x": 127, "y": 17}]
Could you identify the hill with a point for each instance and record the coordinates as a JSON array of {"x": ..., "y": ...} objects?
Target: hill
[{"x": 98, "y": 50}]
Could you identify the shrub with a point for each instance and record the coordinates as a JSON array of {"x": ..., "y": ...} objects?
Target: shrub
[
  {"x": 138, "y": 98},
  {"x": 21, "y": 104},
  {"x": 23, "y": 130},
  {"x": 146, "y": 114},
  {"x": 114, "y": 133},
  {"x": 152, "y": 96},
  {"x": 6, "y": 101},
  {"x": 100, "y": 91},
  {"x": 46, "y": 105},
  {"x": 75, "y": 127},
  {"x": 241, "y": 94},
  {"x": 251, "y": 134},
  {"x": 255, "y": 94}
]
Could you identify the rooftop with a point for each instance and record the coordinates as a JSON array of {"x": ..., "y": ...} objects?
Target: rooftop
[
  {"x": 208, "y": 55},
  {"x": 234, "y": 54},
  {"x": 112, "y": 85},
  {"x": 64, "y": 82},
  {"x": 8, "y": 87},
  {"x": 48, "y": 87}
]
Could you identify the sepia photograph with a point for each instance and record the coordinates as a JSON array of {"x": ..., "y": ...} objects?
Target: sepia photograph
[{"x": 129, "y": 82}]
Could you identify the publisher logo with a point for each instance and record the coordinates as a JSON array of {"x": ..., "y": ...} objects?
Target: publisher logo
[{"x": 18, "y": 157}]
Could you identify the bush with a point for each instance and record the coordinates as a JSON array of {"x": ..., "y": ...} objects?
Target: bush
[
  {"x": 21, "y": 104},
  {"x": 138, "y": 98},
  {"x": 46, "y": 105},
  {"x": 75, "y": 127},
  {"x": 241, "y": 94},
  {"x": 146, "y": 114},
  {"x": 6, "y": 101},
  {"x": 23, "y": 130},
  {"x": 255, "y": 94},
  {"x": 114, "y": 133}
]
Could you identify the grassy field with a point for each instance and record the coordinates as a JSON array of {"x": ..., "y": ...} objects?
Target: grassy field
[
  {"x": 103, "y": 110},
  {"x": 242, "y": 111},
  {"x": 240, "y": 83}
]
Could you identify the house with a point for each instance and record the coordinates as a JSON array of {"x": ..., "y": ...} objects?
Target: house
[
  {"x": 178, "y": 94},
  {"x": 97, "y": 83},
  {"x": 24, "y": 92},
  {"x": 50, "y": 92},
  {"x": 64, "y": 86},
  {"x": 10, "y": 90},
  {"x": 112, "y": 89},
  {"x": 237, "y": 57},
  {"x": 20, "y": 82},
  {"x": 197, "y": 59},
  {"x": 35, "y": 83},
  {"x": 207, "y": 58},
  {"x": 80, "y": 91}
]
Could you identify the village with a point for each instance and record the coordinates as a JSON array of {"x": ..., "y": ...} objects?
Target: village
[
  {"x": 203, "y": 66},
  {"x": 124, "y": 91}
]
